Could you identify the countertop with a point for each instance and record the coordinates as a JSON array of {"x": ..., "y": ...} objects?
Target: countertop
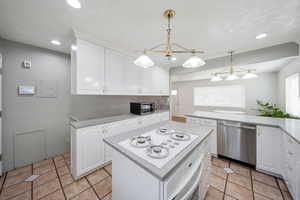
[
  {"x": 93, "y": 119},
  {"x": 163, "y": 172},
  {"x": 290, "y": 126}
]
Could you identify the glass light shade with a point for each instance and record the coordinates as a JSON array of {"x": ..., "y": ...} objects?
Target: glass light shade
[
  {"x": 249, "y": 75},
  {"x": 232, "y": 77},
  {"x": 216, "y": 78},
  {"x": 193, "y": 62},
  {"x": 144, "y": 61},
  {"x": 74, "y": 47},
  {"x": 174, "y": 92},
  {"x": 74, "y": 3}
]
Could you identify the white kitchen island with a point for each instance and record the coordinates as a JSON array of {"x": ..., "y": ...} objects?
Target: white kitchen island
[{"x": 181, "y": 174}]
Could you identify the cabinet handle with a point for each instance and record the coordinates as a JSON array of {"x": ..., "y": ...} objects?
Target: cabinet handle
[{"x": 291, "y": 153}]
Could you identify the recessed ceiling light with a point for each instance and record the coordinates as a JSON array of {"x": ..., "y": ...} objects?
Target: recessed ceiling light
[
  {"x": 74, "y": 3},
  {"x": 173, "y": 58},
  {"x": 261, "y": 36},
  {"x": 74, "y": 47},
  {"x": 56, "y": 42}
]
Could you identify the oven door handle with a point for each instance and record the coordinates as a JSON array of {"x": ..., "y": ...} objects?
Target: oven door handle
[
  {"x": 192, "y": 189},
  {"x": 199, "y": 165}
]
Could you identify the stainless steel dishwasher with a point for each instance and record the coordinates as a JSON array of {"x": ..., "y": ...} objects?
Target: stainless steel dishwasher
[{"x": 237, "y": 141}]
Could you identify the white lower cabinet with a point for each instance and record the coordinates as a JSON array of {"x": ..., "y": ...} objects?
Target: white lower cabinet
[
  {"x": 89, "y": 152},
  {"x": 86, "y": 148},
  {"x": 269, "y": 148},
  {"x": 198, "y": 123},
  {"x": 278, "y": 153},
  {"x": 291, "y": 169}
]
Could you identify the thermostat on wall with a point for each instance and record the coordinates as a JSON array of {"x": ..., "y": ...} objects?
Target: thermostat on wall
[
  {"x": 27, "y": 64},
  {"x": 26, "y": 90}
]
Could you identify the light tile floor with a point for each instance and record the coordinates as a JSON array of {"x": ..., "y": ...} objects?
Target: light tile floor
[
  {"x": 243, "y": 184},
  {"x": 56, "y": 183}
]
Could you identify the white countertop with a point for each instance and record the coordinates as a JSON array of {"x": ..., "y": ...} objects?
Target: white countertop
[
  {"x": 172, "y": 164},
  {"x": 92, "y": 119},
  {"x": 290, "y": 126}
]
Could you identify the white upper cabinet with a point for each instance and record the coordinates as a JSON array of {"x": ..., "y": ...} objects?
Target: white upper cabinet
[
  {"x": 101, "y": 71},
  {"x": 121, "y": 75},
  {"x": 87, "y": 69}
]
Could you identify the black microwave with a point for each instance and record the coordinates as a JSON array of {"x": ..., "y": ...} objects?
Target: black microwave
[{"x": 139, "y": 108}]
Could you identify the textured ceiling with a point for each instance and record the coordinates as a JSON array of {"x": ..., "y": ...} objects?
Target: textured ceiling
[{"x": 211, "y": 25}]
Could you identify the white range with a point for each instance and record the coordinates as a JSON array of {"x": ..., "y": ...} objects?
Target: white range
[{"x": 161, "y": 162}]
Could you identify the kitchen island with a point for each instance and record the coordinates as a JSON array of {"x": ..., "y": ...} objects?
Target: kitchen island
[{"x": 175, "y": 176}]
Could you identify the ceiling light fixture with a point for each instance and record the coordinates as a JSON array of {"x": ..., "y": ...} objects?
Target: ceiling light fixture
[
  {"x": 74, "y": 47},
  {"x": 173, "y": 58},
  {"x": 192, "y": 62},
  {"x": 261, "y": 36},
  {"x": 74, "y": 3},
  {"x": 144, "y": 61},
  {"x": 249, "y": 75},
  {"x": 216, "y": 78},
  {"x": 56, "y": 42},
  {"x": 231, "y": 74}
]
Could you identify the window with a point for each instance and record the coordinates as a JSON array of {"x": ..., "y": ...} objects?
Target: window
[
  {"x": 292, "y": 97},
  {"x": 220, "y": 96}
]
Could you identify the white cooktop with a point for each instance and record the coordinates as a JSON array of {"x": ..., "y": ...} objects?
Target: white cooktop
[{"x": 158, "y": 139}]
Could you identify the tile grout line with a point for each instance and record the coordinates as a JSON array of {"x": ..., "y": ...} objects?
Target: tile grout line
[
  {"x": 229, "y": 163},
  {"x": 280, "y": 189},
  {"x": 252, "y": 187},
  {"x": 32, "y": 183},
  {"x": 59, "y": 178},
  {"x": 5, "y": 175},
  {"x": 93, "y": 187}
]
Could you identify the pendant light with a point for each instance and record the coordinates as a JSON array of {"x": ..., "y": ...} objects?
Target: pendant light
[
  {"x": 232, "y": 73},
  {"x": 249, "y": 75},
  {"x": 168, "y": 46},
  {"x": 144, "y": 61}
]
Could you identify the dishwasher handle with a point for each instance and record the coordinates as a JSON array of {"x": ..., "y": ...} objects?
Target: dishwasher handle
[
  {"x": 248, "y": 127},
  {"x": 238, "y": 126}
]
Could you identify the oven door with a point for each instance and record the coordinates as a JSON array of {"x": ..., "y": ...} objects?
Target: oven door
[{"x": 184, "y": 181}]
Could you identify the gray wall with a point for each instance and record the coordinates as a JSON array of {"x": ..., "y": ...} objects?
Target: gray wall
[
  {"x": 34, "y": 127},
  {"x": 31, "y": 114},
  {"x": 262, "y": 88}
]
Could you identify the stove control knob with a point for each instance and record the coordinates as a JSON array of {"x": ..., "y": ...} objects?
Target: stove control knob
[
  {"x": 172, "y": 147},
  {"x": 164, "y": 143},
  {"x": 169, "y": 140},
  {"x": 176, "y": 143}
]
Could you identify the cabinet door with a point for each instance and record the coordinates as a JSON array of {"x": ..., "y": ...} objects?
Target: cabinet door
[
  {"x": 161, "y": 81},
  {"x": 198, "y": 123},
  {"x": 147, "y": 86},
  {"x": 122, "y": 77},
  {"x": 155, "y": 81},
  {"x": 89, "y": 68},
  {"x": 90, "y": 149},
  {"x": 269, "y": 149}
]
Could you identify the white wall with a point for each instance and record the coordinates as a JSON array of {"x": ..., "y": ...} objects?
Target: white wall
[
  {"x": 291, "y": 68},
  {"x": 262, "y": 88}
]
